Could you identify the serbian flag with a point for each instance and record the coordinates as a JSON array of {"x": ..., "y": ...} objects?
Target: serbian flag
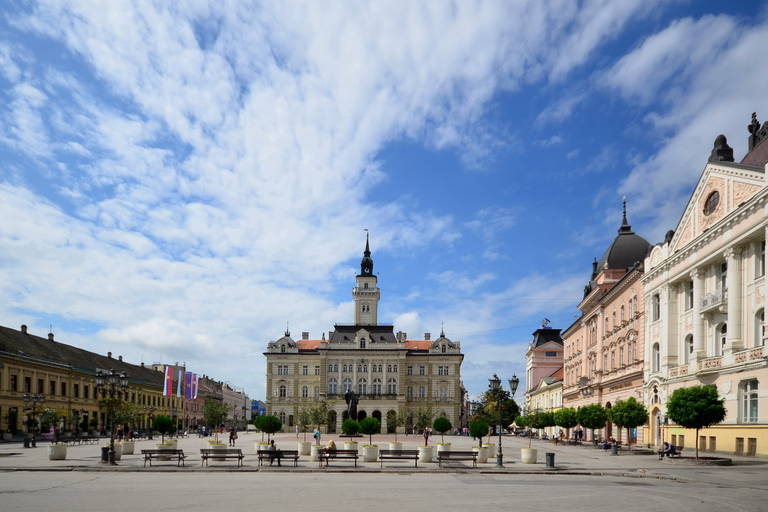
[
  {"x": 191, "y": 389},
  {"x": 179, "y": 383},
  {"x": 168, "y": 381}
]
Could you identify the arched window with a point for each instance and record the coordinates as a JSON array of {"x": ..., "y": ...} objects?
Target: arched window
[
  {"x": 759, "y": 328},
  {"x": 722, "y": 336},
  {"x": 333, "y": 386},
  {"x": 305, "y": 392},
  {"x": 392, "y": 386},
  {"x": 688, "y": 349},
  {"x": 347, "y": 385},
  {"x": 622, "y": 314},
  {"x": 613, "y": 319},
  {"x": 749, "y": 402},
  {"x": 444, "y": 349},
  {"x": 422, "y": 392},
  {"x": 409, "y": 392},
  {"x": 317, "y": 391},
  {"x": 282, "y": 417},
  {"x": 376, "y": 386},
  {"x": 362, "y": 342},
  {"x": 362, "y": 386},
  {"x": 283, "y": 392},
  {"x": 655, "y": 358}
]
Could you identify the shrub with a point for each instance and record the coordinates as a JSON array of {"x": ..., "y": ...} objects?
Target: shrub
[
  {"x": 477, "y": 429},
  {"x": 164, "y": 425},
  {"x": 270, "y": 424},
  {"x": 442, "y": 425},
  {"x": 370, "y": 426},
  {"x": 350, "y": 427}
]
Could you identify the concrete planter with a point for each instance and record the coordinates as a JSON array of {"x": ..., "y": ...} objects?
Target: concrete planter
[
  {"x": 217, "y": 446},
  {"x": 426, "y": 453},
  {"x": 443, "y": 447},
  {"x": 260, "y": 445},
  {"x": 350, "y": 445},
  {"x": 172, "y": 442},
  {"x": 395, "y": 445},
  {"x": 304, "y": 447},
  {"x": 529, "y": 455},
  {"x": 212, "y": 443},
  {"x": 482, "y": 453},
  {"x": 491, "y": 449},
  {"x": 128, "y": 447},
  {"x": 57, "y": 451},
  {"x": 370, "y": 453},
  {"x": 313, "y": 452},
  {"x": 118, "y": 451}
]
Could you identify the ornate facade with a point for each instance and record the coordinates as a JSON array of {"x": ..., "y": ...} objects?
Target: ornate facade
[{"x": 388, "y": 372}]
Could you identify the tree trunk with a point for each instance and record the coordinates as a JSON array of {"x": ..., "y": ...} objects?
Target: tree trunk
[{"x": 697, "y": 444}]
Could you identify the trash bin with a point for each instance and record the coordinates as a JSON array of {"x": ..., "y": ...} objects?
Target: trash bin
[
  {"x": 550, "y": 460},
  {"x": 105, "y": 453},
  {"x": 614, "y": 449}
]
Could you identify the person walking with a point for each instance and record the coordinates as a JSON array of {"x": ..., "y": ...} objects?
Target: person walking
[
  {"x": 232, "y": 436},
  {"x": 297, "y": 431}
]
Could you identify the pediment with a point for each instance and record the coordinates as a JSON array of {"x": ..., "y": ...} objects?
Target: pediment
[{"x": 732, "y": 184}]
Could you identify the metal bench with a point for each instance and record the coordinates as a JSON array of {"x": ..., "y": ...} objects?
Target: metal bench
[
  {"x": 456, "y": 455},
  {"x": 337, "y": 454},
  {"x": 279, "y": 455},
  {"x": 399, "y": 455},
  {"x": 150, "y": 455},
  {"x": 221, "y": 454},
  {"x": 677, "y": 452}
]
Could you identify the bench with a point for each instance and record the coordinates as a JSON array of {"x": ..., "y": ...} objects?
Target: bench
[
  {"x": 221, "y": 454},
  {"x": 399, "y": 455},
  {"x": 279, "y": 455},
  {"x": 338, "y": 454},
  {"x": 150, "y": 455},
  {"x": 677, "y": 453},
  {"x": 456, "y": 455}
]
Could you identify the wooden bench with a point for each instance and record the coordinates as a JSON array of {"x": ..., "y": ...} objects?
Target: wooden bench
[
  {"x": 338, "y": 454},
  {"x": 399, "y": 455},
  {"x": 456, "y": 455},
  {"x": 150, "y": 455},
  {"x": 279, "y": 455},
  {"x": 221, "y": 454}
]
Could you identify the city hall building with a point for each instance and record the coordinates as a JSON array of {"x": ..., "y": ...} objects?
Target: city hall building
[{"x": 388, "y": 372}]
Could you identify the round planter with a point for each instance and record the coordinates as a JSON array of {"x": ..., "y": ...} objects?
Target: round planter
[
  {"x": 395, "y": 445},
  {"x": 426, "y": 453},
  {"x": 370, "y": 453},
  {"x": 443, "y": 447},
  {"x": 313, "y": 452},
  {"x": 57, "y": 451},
  {"x": 482, "y": 453},
  {"x": 350, "y": 445},
  {"x": 118, "y": 450},
  {"x": 304, "y": 447},
  {"x": 128, "y": 447},
  {"x": 260, "y": 445},
  {"x": 173, "y": 442},
  {"x": 491, "y": 449},
  {"x": 217, "y": 446},
  {"x": 529, "y": 455}
]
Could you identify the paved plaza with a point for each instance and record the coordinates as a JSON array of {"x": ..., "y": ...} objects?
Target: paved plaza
[{"x": 584, "y": 478}]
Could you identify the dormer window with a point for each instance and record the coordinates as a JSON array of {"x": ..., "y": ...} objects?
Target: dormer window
[
  {"x": 444, "y": 349},
  {"x": 362, "y": 342},
  {"x": 282, "y": 348}
]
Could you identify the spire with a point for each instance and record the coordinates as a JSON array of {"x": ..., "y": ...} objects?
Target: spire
[
  {"x": 625, "y": 227},
  {"x": 366, "y": 265},
  {"x": 287, "y": 331}
]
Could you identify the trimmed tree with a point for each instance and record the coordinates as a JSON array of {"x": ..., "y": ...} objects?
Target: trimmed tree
[
  {"x": 592, "y": 416},
  {"x": 696, "y": 407},
  {"x": 477, "y": 429},
  {"x": 424, "y": 417},
  {"x": 320, "y": 413},
  {"x": 442, "y": 425},
  {"x": 566, "y": 418},
  {"x": 370, "y": 426},
  {"x": 628, "y": 414},
  {"x": 395, "y": 420},
  {"x": 304, "y": 420},
  {"x": 350, "y": 427},
  {"x": 215, "y": 414},
  {"x": 270, "y": 424},
  {"x": 162, "y": 424}
]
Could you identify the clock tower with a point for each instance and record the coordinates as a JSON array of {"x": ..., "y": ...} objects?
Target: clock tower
[{"x": 366, "y": 293}]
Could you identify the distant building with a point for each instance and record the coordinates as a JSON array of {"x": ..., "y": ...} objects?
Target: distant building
[
  {"x": 388, "y": 372},
  {"x": 547, "y": 395},
  {"x": 543, "y": 358}
]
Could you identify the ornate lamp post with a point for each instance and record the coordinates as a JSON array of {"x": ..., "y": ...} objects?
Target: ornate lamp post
[
  {"x": 108, "y": 383},
  {"x": 35, "y": 399},
  {"x": 495, "y": 385}
]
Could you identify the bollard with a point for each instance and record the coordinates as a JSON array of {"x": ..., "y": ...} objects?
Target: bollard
[
  {"x": 105, "y": 453},
  {"x": 550, "y": 460},
  {"x": 614, "y": 449}
]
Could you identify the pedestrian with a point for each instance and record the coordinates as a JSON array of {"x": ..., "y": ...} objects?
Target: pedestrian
[
  {"x": 232, "y": 436},
  {"x": 426, "y": 435},
  {"x": 297, "y": 431}
]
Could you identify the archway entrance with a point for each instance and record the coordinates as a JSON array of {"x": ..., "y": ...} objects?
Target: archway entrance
[
  {"x": 361, "y": 415},
  {"x": 390, "y": 416},
  {"x": 332, "y": 422},
  {"x": 658, "y": 425},
  {"x": 377, "y": 415}
]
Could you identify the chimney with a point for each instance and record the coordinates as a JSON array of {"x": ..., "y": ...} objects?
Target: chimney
[
  {"x": 305, "y": 335},
  {"x": 120, "y": 358},
  {"x": 427, "y": 336},
  {"x": 24, "y": 329},
  {"x": 142, "y": 364},
  {"x": 50, "y": 336},
  {"x": 109, "y": 355}
]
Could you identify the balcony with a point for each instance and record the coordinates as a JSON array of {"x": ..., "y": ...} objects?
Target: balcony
[
  {"x": 710, "y": 364},
  {"x": 714, "y": 300}
]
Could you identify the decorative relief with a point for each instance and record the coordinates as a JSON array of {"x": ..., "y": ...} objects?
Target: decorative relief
[
  {"x": 686, "y": 236},
  {"x": 708, "y": 220},
  {"x": 683, "y": 370},
  {"x": 741, "y": 357},
  {"x": 743, "y": 192},
  {"x": 756, "y": 353},
  {"x": 760, "y": 296}
]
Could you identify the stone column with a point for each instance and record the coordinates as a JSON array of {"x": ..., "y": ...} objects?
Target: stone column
[
  {"x": 734, "y": 340},
  {"x": 699, "y": 352}
]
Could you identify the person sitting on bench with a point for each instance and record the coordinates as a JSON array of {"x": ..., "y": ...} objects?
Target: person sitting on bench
[
  {"x": 275, "y": 455},
  {"x": 331, "y": 448},
  {"x": 669, "y": 450}
]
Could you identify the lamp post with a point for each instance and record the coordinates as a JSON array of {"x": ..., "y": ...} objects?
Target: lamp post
[
  {"x": 108, "y": 383},
  {"x": 35, "y": 399},
  {"x": 151, "y": 412},
  {"x": 495, "y": 384},
  {"x": 76, "y": 418}
]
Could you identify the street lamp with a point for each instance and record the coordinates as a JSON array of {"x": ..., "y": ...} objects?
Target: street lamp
[
  {"x": 76, "y": 417},
  {"x": 108, "y": 383},
  {"x": 495, "y": 384},
  {"x": 151, "y": 412},
  {"x": 35, "y": 399}
]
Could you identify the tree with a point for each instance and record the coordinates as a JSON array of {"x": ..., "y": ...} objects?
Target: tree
[
  {"x": 52, "y": 417},
  {"x": 370, "y": 426},
  {"x": 424, "y": 417},
  {"x": 696, "y": 407},
  {"x": 215, "y": 414},
  {"x": 12, "y": 419},
  {"x": 395, "y": 420},
  {"x": 477, "y": 429},
  {"x": 566, "y": 418},
  {"x": 320, "y": 413},
  {"x": 489, "y": 408},
  {"x": 304, "y": 420},
  {"x": 442, "y": 425},
  {"x": 592, "y": 416},
  {"x": 162, "y": 424},
  {"x": 538, "y": 419},
  {"x": 628, "y": 414},
  {"x": 270, "y": 424},
  {"x": 350, "y": 427},
  {"x": 128, "y": 414}
]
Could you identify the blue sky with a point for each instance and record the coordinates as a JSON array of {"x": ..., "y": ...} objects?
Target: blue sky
[{"x": 178, "y": 183}]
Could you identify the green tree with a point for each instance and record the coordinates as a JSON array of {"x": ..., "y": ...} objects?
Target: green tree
[
  {"x": 304, "y": 420},
  {"x": 628, "y": 414},
  {"x": 12, "y": 420},
  {"x": 424, "y": 417},
  {"x": 370, "y": 426},
  {"x": 592, "y": 416},
  {"x": 566, "y": 418},
  {"x": 497, "y": 408},
  {"x": 320, "y": 413},
  {"x": 696, "y": 407},
  {"x": 215, "y": 414},
  {"x": 162, "y": 424},
  {"x": 477, "y": 429},
  {"x": 395, "y": 420},
  {"x": 270, "y": 424},
  {"x": 538, "y": 419},
  {"x": 350, "y": 427},
  {"x": 52, "y": 417},
  {"x": 442, "y": 425},
  {"x": 127, "y": 414},
  {"x": 257, "y": 423}
]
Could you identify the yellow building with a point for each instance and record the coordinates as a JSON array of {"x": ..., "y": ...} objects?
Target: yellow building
[{"x": 547, "y": 396}]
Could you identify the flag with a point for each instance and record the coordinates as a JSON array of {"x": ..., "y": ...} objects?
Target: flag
[
  {"x": 191, "y": 387},
  {"x": 179, "y": 383},
  {"x": 168, "y": 382}
]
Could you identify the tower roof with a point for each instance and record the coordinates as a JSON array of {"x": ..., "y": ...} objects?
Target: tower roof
[
  {"x": 366, "y": 265},
  {"x": 627, "y": 248}
]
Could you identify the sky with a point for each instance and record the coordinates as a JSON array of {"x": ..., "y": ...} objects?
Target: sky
[{"x": 183, "y": 182}]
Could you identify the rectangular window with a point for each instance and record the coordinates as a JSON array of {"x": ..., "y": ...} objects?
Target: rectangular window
[
  {"x": 41, "y": 386},
  {"x": 688, "y": 295},
  {"x": 76, "y": 390},
  {"x": 656, "y": 306},
  {"x": 13, "y": 382},
  {"x": 63, "y": 389},
  {"x": 52, "y": 388},
  {"x": 550, "y": 354},
  {"x": 723, "y": 276},
  {"x": 621, "y": 356},
  {"x": 439, "y": 370},
  {"x": 330, "y": 368},
  {"x": 712, "y": 443},
  {"x": 760, "y": 257},
  {"x": 410, "y": 370},
  {"x": 422, "y": 370},
  {"x": 317, "y": 370},
  {"x": 27, "y": 384},
  {"x": 305, "y": 370}
]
